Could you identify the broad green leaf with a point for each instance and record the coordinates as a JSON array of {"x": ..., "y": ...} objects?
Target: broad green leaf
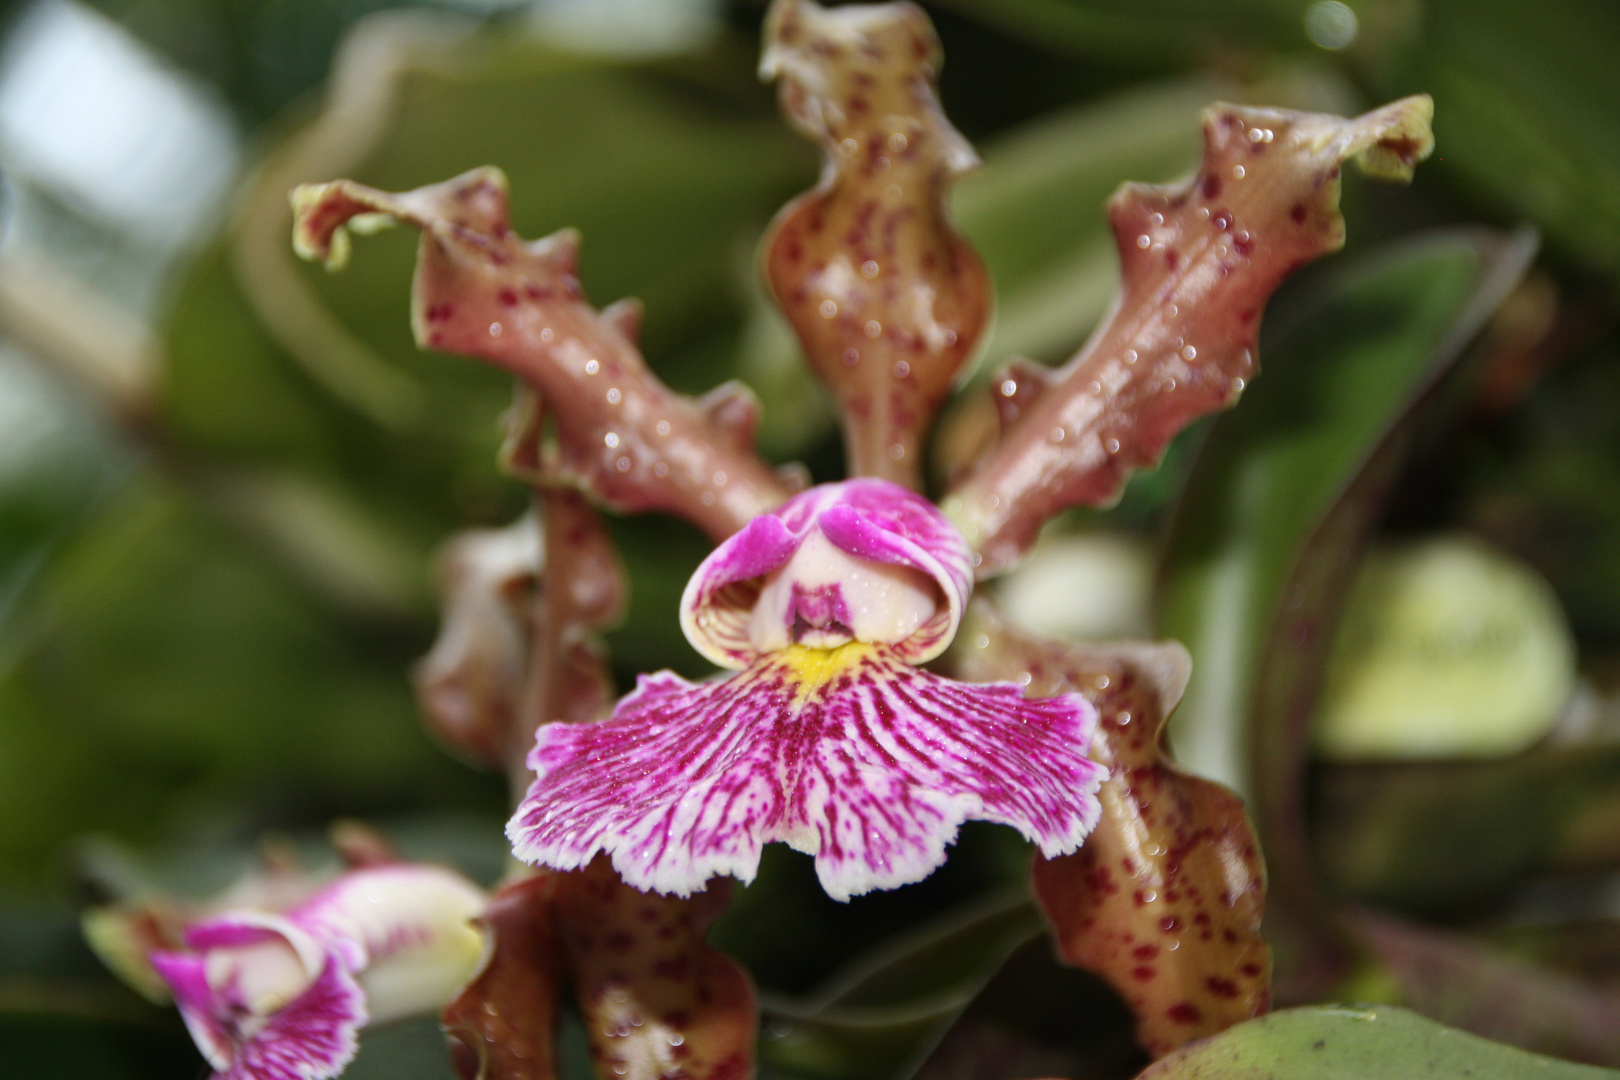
[
  {"x": 1356, "y": 354},
  {"x": 879, "y": 1017},
  {"x": 1275, "y": 513},
  {"x": 1529, "y": 110},
  {"x": 1442, "y": 837},
  {"x": 1347, "y": 1042}
]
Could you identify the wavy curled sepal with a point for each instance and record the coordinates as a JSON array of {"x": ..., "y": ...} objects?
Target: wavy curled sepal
[
  {"x": 849, "y": 754},
  {"x": 865, "y": 555},
  {"x": 1165, "y": 899},
  {"x": 657, "y": 1000},
  {"x": 480, "y": 290},
  {"x": 1198, "y": 262},
  {"x": 886, "y": 298},
  {"x": 282, "y": 996}
]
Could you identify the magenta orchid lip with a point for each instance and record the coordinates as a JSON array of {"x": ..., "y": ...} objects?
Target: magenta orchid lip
[{"x": 829, "y": 738}]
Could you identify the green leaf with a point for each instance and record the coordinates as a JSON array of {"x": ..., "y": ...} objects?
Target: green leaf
[
  {"x": 1438, "y": 838},
  {"x": 1276, "y": 511},
  {"x": 1355, "y": 356},
  {"x": 1357, "y": 1043},
  {"x": 881, "y": 1016}
]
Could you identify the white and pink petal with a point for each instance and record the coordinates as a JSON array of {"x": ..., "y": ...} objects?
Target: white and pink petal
[{"x": 851, "y": 755}]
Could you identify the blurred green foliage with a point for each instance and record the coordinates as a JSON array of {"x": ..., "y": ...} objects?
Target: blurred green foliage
[{"x": 208, "y": 609}]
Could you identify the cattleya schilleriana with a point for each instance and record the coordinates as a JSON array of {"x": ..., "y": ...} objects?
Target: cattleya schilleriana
[
  {"x": 274, "y": 993},
  {"x": 829, "y": 738}
]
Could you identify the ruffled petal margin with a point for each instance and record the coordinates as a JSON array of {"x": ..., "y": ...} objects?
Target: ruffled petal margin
[
  {"x": 313, "y": 1037},
  {"x": 851, "y": 755}
]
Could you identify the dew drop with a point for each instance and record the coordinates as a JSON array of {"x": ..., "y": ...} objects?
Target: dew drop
[
  {"x": 1130, "y": 356},
  {"x": 1257, "y": 135},
  {"x": 1238, "y": 384},
  {"x": 1112, "y": 446},
  {"x": 873, "y": 328},
  {"x": 1008, "y": 387},
  {"x": 1156, "y": 218},
  {"x": 676, "y": 1038},
  {"x": 546, "y": 335},
  {"x": 1025, "y": 678},
  {"x": 1171, "y": 310},
  {"x": 1095, "y": 387},
  {"x": 613, "y": 395},
  {"x": 896, "y": 452},
  {"x": 494, "y": 329},
  {"x": 1102, "y": 682},
  {"x": 852, "y": 357},
  {"x": 950, "y": 338},
  {"x": 1189, "y": 353},
  {"x": 720, "y": 479},
  {"x": 662, "y": 427},
  {"x": 660, "y": 469},
  {"x": 897, "y": 142},
  {"x": 611, "y": 439},
  {"x": 828, "y": 309},
  {"x": 982, "y": 641},
  {"x": 1124, "y": 718},
  {"x": 1057, "y": 434},
  {"x": 869, "y": 268},
  {"x": 592, "y": 367},
  {"x": 707, "y": 498},
  {"x": 892, "y": 191},
  {"x": 901, "y": 369},
  {"x": 848, "y": 147},
  {"x": 623, "y": 464},
  {"x": 1144, "y": 241},
  {"x": 1238, "y": 172}
]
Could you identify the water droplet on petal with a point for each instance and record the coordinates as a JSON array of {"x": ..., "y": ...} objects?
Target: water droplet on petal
[
  {"x": 873, "y": 328},
  {"x": 592, "y": 367},
  {"x": 494, "y": 329},
  {"x": 828, "y": 309},
  {"x": 869, "y": 268},
  {"x": 1008, "y": 388},
  {"x": 611, "y": 439}
]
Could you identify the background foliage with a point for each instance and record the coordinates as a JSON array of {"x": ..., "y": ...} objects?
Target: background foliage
[{"x": 214, "y": 580}]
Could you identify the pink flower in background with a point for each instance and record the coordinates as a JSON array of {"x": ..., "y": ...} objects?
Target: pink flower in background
[
  {"x": 829, "y": 738},
  {"x": 282, "y": 995}
]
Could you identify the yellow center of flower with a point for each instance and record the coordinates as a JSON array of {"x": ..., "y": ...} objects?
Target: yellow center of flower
[{"x": 811, "y": 668}]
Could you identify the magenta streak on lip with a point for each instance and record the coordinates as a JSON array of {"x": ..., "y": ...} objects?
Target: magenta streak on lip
[{"x": 865, "y": 761}]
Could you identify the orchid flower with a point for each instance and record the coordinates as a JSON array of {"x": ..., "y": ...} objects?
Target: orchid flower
[
  {"x": 829, "y": 738},
  {"x": 282, "y": 995}
]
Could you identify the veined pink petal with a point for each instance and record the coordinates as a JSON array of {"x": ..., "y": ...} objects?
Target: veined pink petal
[
  {"x": 313, "y": 1037},
  {"x": 869, "y": 518},
  {"x": 849, "y": 754},
  {"x": 281, "y": 996}
]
